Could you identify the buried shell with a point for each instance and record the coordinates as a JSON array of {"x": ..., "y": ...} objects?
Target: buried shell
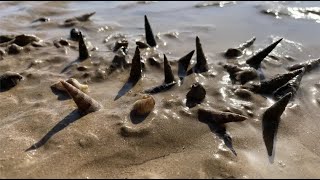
[
  {"x": 84, "y": 102},
  {"x": 271, "y": 119},
  {"x": 149, "y": 34},
  {"x": 269, "y": 86},
  {"x": 255, "y": 60},
  {"x": 83, "y": 50},
  {"x": 82, "y": 87},
  {"x": 237, "y": 52},
  {"x": 196, "y": 95},
  {"x": 291, "y": 86},
  {"x": 9, "y": 79},
  {"x": 143, "y": 106},
  {"x": 246, "y": 75},
  {"x": 308, "y": 65},
  {"x": 219, "y": 117},
  {"x": 119, "y": 61},
  {"x": 123, "y": 43},
  {"x": 184, "y": 64},
  {"x": 142, "y": 45}
]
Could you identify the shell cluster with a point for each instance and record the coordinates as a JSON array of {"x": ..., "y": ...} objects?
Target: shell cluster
[{"x": 245, "y": 76}]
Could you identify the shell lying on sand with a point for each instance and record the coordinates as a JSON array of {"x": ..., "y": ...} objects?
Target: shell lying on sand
[
  {"x": 84, "y": 102},
  {"x": 82, "y": 87},
  {"x": 143, "y": 106},
  {"x": 219, "y": 117}
]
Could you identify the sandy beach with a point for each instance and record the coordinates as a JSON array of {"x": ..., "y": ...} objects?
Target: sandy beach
[{"x": 45, "y": 135}]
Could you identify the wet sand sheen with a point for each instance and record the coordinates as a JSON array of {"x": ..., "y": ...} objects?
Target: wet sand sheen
[{"x": 170, "y": 142}]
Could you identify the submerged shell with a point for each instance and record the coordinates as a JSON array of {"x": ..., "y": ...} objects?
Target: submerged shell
[
  {"x": 123, "y": 43},
  {"x": 255, "y": 60},
  {"x": 142, "y": 45},
  {"x": 271, "y": 119},
  {"x": 246, "y": 75},
  {"x": 144, "y": 106},
  {"x": 219, "y": 117},
  {"x": 291, "y": 86},
  {"x": 9, "y": 79},
  {"x": 84, "y": 102},
  {"x": 308, "y": 65},
  {"x": 269, "y": 86}
]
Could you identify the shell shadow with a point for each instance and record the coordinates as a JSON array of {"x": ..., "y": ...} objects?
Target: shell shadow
[
  {"x": 136, "y": 119},
  {"x": 61, "y": 95},
  {"x": 70, "y": 118},
  {"x": 220, "y": 131},
  {"x": 126, "y": 88}
]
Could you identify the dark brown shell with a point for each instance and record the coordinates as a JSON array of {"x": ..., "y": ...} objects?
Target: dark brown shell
[{"x": 219, "y": 117}]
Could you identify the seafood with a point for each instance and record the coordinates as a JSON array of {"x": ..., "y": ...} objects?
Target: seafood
[
  {"x": 143, "y": 106},
  {"x": 82, "y": 18},
  {"x": 168, "y": 75},
  {"x": 123, "y": 43},
  {"x": 271, "y": 119},
  {"x": 184, "y": 64},
  {"x": 142, "y": 45},
  {"x": 196, "y": 95},
  {"x": 291, "y": 86},
  {"x": 14, "y": 49},
  {"x": 119, "y": 61},
  {"x": 237, "y": 52},
  {"x": 9, "y": 79},
  {"x": 308, "y": 65},
  {"x": 82, "y": 87},
  {"x": 201, "y": 65},
  {"x": 84, "y": 102},
  {"x": 169, "y": 80},
  {"x": 135, "y": 72},
  {"x": 149, "y": 34},
  {"x": 269, "y": 86},
  {"x": 255, "y": 60},
  {"x": 75, "y": 34},
  {"x": 153, "y": 62},
  {"x": 83, "y": 50},
  {"x": 161, "y": 88},
  {"x": 219, "y": 117}
]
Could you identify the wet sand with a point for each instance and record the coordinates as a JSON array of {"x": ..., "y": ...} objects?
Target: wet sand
[{"x": 170, "y": 142}]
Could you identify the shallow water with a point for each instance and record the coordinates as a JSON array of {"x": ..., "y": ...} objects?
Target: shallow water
[{"x": 170, "y": 142}]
